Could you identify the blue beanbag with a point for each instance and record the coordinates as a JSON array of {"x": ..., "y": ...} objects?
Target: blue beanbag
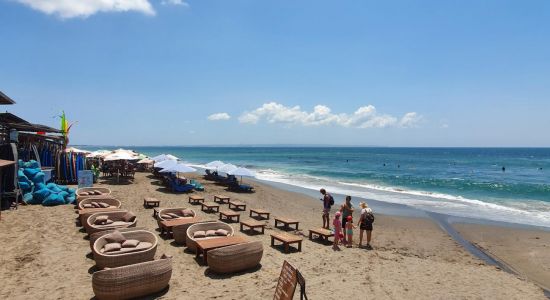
[
  {"x": 33, "y": 164},
  {"x": 41, "y": 194},
  {"x": 30, "y": 172},
  {"x": 27, "y": 198},
  {"x": 21, "y": 175},
  {"x": 52, "y": 200},
  {"x": 38, "y": 177},
  {"x": 63, "y": 188},
  {"x": 70, "y": 199},
  {"x": 39, "y": 186},
  {"x": 25, "y": 186}
]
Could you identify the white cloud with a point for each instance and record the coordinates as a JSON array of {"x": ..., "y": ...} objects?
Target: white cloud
[
  {"x": 219, "y": 117},
  {"x": 363, "y": 117},
  {"x": 67, "y": 9},
  {"x": 174, "y": 2}
]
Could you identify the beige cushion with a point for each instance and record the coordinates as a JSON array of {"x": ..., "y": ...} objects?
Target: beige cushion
[
  {"x": 129, "y": 217},
  {"x": 199, "y": 234},
  {"x": 210, "y": 232},
  {"x": 115, "y": 237},
  {"x": 222, "y": 232},
  {"x": 112, "y": 247},
  {"x": 109, "y": 222},
  {"x": 141, "y": 246},
  {"x": 173, "y": 215},
  {"x": 98, "y": 193},
  {"x": 100, "y": 220},
  {"x": 83, "y": 194},
  {"x": 130, "y": 243},
  {"x": 88, "y": 205},
  {"x": 166, "y": 217},
  {"x": 104, "y": 205},
  {"x": 95, "y": 204},
  {"x": 119, "y": 223},
  {"x": 187, "y": 213}
]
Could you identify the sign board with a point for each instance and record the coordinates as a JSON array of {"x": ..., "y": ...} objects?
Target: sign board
[
  {"x": 287, "y": 283},
  {"x": 85, "y": 178}
]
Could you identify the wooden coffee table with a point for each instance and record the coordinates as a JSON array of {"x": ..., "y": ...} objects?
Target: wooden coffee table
[
  {"x": 287, "y": 222},
  {"x": 286, "y": 239},
  {"x": 221, "y": 199},
  {"x": 194, "y": 199},
  {"x": 166, "y": 225},
  {"x": 236, "y": 205},
  {"x": 259, "y": 213},
  {"x": 230, "y": 215},
  {"x": 149, "y": 202},
  {"x": 252, "y": 225},
  {"x": 321, "y": 232},
  {"x": 203, "y": 246},
  {"x": 210, "y": 207}
]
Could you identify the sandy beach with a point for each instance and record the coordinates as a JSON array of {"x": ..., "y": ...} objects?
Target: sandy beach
[{"x": 44, "y": 255}]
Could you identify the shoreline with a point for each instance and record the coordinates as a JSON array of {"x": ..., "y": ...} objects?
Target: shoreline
[
  {"x": 460, "y": 229},
  {"x": 412, "y": 257}
]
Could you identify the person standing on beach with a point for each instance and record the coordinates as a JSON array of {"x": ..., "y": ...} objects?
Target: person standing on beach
[
  {"x": 347, "y": 210},
  {"x": 328, "y": 201},
  {"x": 365, "y": 223},
  {"x": 349, "y": 231},
  {"x": 337, "y": 230}
]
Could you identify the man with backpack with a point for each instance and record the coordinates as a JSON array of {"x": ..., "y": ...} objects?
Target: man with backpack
[{"x": 328, "y": 202}]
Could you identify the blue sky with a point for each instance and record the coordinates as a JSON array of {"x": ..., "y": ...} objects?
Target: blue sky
[{"x": 389, "y": 73}]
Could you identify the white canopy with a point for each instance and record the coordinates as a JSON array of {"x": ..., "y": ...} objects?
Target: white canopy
[
  {"x": 75, "y": 150},
  {"x": 166, "y": 163},
  {"x": 98, "y": 153},
  {"x": 242, "y": 172},
  {"x": 164, "y": 157},
  {"x": 119, "y": 156},
  {"x": 146, "y": 161},
  {"x": 178, "y": 168},
  {"x": 227, "y": 168},
  {"x": 214, "y": 164}
]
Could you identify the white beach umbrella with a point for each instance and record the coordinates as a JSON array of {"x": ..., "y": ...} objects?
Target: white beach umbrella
[
  {"x": 146, "y": 161},
  {"x": 119, "y": 156},
  {"x": 242, "y": 172},
  {"x": 159, "y": 158},
  {"x": 178, "y": 168},
  {"x": 75, "y": 150},
  {"x": 227, "y": 168},
  {"x": 172, "y": 157},
  {"x": 214, "y": 164},
  {"x": 166, "y": 163}
]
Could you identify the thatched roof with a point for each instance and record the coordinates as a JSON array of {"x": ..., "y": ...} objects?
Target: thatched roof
[
  {"x": 5, "y": 99},
  {"x": 12, "y": 121}
]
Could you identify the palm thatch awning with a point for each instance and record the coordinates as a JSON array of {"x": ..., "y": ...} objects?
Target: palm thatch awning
[{"x": 5, "y": 99}]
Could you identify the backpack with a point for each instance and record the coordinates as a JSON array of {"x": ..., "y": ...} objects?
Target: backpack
[
  {"x": 368, "y": 219},
  {"x": 331, "y": 200}
]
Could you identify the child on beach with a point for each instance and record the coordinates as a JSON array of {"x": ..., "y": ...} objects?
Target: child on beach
[
  {"x": 349, "y": 231},
  {"x": 337, "y": 230}
]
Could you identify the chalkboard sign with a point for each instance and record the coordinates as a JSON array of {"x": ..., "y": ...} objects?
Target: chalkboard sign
[
  {"x": 287, "y": 283},
  {"x": 85, "y": 178}
]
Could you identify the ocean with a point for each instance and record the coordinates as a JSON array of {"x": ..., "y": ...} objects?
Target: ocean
[{"x": 499, "y": 184}]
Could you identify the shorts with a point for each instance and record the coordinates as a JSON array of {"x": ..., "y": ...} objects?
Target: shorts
[
  {"x": 367, "y": 227},
  {"x": 344, "y": 221},
  {"x": 326, "y": 211}
]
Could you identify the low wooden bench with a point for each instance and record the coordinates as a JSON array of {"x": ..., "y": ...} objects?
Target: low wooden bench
[
  {"x": 167, "y": 225},
  {"x": 193, "y": 199},
  {"x": 156, "y": 212},
  {"x": 259, "y": 213},
  {"x": 221, "y": 199},
  {"x": 236, "y": 205},
  {"x": 149, "y": 202},
  {"x": 286, "y": 222},
  {"x": 321, "y": 232},
  {"x": 229, "y": 215},
  {"x": 210, "y": 207},
  {"x": 286, "y": 239},
  {"x": 252, "y": 225}
]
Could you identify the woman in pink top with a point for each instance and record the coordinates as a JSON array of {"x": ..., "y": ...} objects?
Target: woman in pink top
[{"x": 337, "y": 230}]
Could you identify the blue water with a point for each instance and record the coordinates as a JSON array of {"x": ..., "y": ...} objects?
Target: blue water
[{"x": 465, "y": 182}]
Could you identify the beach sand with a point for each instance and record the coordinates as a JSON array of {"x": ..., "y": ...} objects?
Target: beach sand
[
  {"x": 44, "y": 255},
  {"x": 526, "y": 252}
]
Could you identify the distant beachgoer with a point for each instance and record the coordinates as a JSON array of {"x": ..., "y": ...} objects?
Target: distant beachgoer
[
  {"x": 337, "y": 230},
  {"x": 328, "y": 201},
  {"x": 503, "y": 169},
  {"x": 384, "y": 164},
  {"x": 365, "y": 223},
  {"x": 398, "y": 166},
  {"x": 347, "y": 210},
  {"x": 349, "y": 231}
]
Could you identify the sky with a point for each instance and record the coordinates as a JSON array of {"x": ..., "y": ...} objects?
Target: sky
[{"x": 265, "y": 72}]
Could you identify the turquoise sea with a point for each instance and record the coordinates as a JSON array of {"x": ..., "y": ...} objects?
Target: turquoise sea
[{"x": 466, "y": 182}]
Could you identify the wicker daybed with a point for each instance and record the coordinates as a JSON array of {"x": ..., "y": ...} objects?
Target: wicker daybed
[
  {"x": 113, "y": 203},
  {"x": 161, "y": 216},
  {"x": 190, "y": 240},
  {"x": 145, "y": 250},
  {"x": 83, "y": 193},
  {"x": 132, "y": 281},
  {"x": 235, "y": 258},
  {"x": 116, "y": 216}
]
